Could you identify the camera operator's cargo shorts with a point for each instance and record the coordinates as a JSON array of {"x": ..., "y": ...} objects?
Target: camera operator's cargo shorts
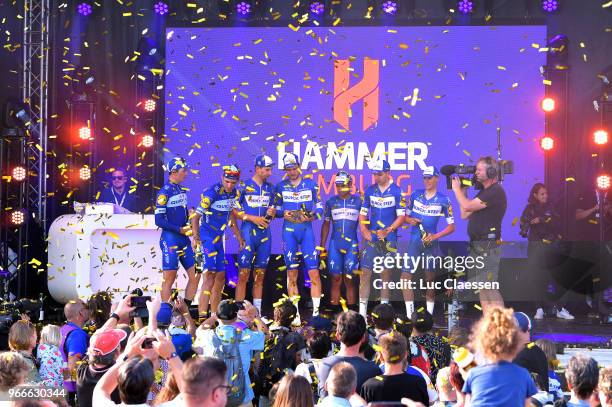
[{"x": 487, "y": 255}]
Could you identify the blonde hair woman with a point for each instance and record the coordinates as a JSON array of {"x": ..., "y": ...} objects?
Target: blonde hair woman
[
  {"x": 49, "y": 357},
  {"x": 22, "y": 339}
]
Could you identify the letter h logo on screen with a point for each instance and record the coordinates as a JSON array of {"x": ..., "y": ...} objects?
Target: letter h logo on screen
[{"x": 367, "y": 90}]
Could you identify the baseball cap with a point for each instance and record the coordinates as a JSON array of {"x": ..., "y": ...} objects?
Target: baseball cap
[
  {"x": 231, "y": 172},
  {"x": 164, "y": 316},
  {"x": 523, "y": 321},
  {"x": 263, "y": 160},
  {"x": 181, "y": 340},
  {"x": 463, "y": 357},
  {"x": 105, "y": 342},
  {"x": 379, "y": 166},
  {"x": 227, "y": 310},
  {"x": 176, "y": 164},
  {"x": 342, "y": 177},
  {"x": 430, "y": 171},
  {"x": 290, "y": 160}
]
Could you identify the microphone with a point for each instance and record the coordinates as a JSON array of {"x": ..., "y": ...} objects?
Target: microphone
[{"x": 448, "y": 170}]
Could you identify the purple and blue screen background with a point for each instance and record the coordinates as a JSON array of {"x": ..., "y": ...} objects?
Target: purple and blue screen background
[{"x": 471, "y": 80}]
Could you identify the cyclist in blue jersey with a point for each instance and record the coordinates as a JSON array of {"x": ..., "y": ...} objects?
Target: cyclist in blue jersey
[
  {"x": 382, "y": 213},
  {"x": 342, "y": 212},
  {"x": 299, "y": 204},
  {"x": 256, "y": 209},
  {"x": 172, "y": 217},
  {"x": 425, "y": 208},
  {"x": 209, "y": 222}
]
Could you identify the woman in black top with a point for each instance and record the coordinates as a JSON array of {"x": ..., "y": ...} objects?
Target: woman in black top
[{"x": 540, "y": 225}]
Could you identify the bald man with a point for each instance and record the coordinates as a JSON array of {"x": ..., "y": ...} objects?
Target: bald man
[{"x": 74, "y": 341}]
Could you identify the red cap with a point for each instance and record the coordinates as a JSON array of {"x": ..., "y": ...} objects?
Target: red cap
[{"x": 103, "y": 343}]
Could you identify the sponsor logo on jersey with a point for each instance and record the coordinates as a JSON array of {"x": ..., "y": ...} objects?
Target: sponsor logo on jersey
[
  {"x": 257, "y": 201},
  {"x": 223, "y": 205},
  {"x": 427, "y": 209},
  {"x": 345, "y": 214},
  {"x": 177, "y": 200},
  {"x": 382, "y": 202},
  {"x": 162, "y": 199},
  {"x": 301, "y": 196}
]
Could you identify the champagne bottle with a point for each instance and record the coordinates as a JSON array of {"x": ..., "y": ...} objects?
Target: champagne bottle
[{"x": 423, "y": 234}]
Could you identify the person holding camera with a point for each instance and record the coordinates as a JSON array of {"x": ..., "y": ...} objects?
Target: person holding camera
[{"x": 484, "y": 213}]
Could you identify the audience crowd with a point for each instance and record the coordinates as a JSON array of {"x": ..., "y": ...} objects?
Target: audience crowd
[{"x": 116, "y": 354}]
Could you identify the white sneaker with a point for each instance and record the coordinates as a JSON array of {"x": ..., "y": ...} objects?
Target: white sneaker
[
  {"x": 297, "y": 321},
  {"x": 539, "y": 314},
  {"x": 564, "y": 314},
  {"x": 589, "y": 301}
]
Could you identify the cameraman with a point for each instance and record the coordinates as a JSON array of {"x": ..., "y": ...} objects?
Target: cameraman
[{"x": 485, "y": 213}]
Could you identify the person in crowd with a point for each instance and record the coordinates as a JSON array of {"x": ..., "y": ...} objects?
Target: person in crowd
[
  {"x": 213, "y": 216},
  {"x": 284, "y": 348},
  {"x": 447, "y": 396},
  {"x": 14, "y": 369},
  {"x": 530, "y": 356},
  {"x": 104, "y": 349},
  {"x": 257, "y": 208},
  {"x": 22, "y": 339},
  {"x": 319, "y": 345},
  {"x": 465, "y": 360},
  {"x": 381, "y": 215},
  {"x": 438, "y": 349},
  {"x": 252, "y": 338},
  {"x": 540, "y": 224},
  {"x": 168, "y": 392},
  {"x": 499, "y": 382},
  {"x": 341, "y": 387},
  {"x": 272, "y": 393},
  {"x": 395, "y": 383},
  {"x": 457, "y": 381},
  {"x": 582, "y": 378},
  {"x": 117, "y": 192},
  {"x": 485, "y": 213},
  {"x": 605, "y": 386},
  {"x": 554, "y": 381},
  {"x": 49, "y": 357},
  {"x": 418, "y": 358},
  {"x": 542, "y": 397},
  {"x": 99, "y": 305},
  {"x": 74, "y": 342},
  {"x": 293, "y": 391},
  {"x": 351, "y": 333},
  {"x": 424, "y": 209},
  {"x": 299, "y": 205}
]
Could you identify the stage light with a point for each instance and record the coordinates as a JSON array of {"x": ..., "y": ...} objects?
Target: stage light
[
  {"x": 84, "y": 9},
  {"x": 600, "y": 137},
  {"x": 316, "y": 7},
  {"x": 389, "y": 7},
  {"x": 603, "y": 182},
  {"x": 19, "y": 173},
  {"x": 547, "y": 143},
  {"x": 85, "y": 173},
  {"x": 548, "y": 104},
  {"x": 84, "y": 133},
  {"x": 18, "y": 217},
  {"x": 550, "y": 5},
  {"x": 160, "y": 8},
  {"x": 147, "y": 141},
  {"x": 149, "y": 105},
  {"x": 243, "y": 8},
  {"x": 465, "y": 6}
]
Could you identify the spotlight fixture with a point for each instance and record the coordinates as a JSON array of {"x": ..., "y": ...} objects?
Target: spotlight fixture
[
  {"x": 389, "y": 7},
  {"x": 548, "y": 104},
  {"x": 84, "y": 133},
  {"x": 317, "y": 8},
  {"x": 19, "y": 173},
  {"x": 550, "y": 6},
  {"x": 84, "y": 9},
  {"x": 603, "y": 182},
  {"x": 465, "y": 6},
  {"x": 160, "y": 8},
  {"x": 147, "y": 141},
  {"x": 600, "y": 137},
  {"x": 149, "y": 105},
  {"x": 243, "y": 8},
  {"x": 18, "y": 217},
  {"x": 547, "y": 143},
  {"x": 85, "y": 173}
]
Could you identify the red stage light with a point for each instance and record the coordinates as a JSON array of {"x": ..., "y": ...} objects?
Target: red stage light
[
  {"x": 19, "y": 173},
  {"x": 548, "y": 104},
  {"x": 547, "y": 143},
  {"x": 149, "y": 105},
  {"x": 85, "y": 133},
  {"x": 147, "y": 141},
  {"x": 85, "y": 173},
  {"x": 603, "y": 182},
  {"x": 17, "y": 217},
  {"x": 600, "y": 137}
]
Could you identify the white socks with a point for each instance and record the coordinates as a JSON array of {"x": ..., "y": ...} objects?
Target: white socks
[
  {"x": 257, "y": 304},
  {"x": 384, "y": 300},
  {"x": 430, "y": 306},
  {"x": 316, "y": 301},
  {"x": 409, "y": 308},
  {"x": 363, "y": 307}
]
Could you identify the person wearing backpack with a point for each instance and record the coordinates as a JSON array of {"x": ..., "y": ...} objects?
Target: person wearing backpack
[
  {"x": 283, "y": 351},
  {"x": 234, "y": 345}
]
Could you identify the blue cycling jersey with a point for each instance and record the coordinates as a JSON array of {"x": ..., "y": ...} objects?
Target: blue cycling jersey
[
  {"x": 171, "y": 210},
  {"x": 344, "y": 216},
  {"x": 255, "y": 199},
  {"x": 293, "y": 198},
  {"x": 383, "y": 208},
  {"x": 216, "y": 206},
  {"x": 428, "y": 211}
]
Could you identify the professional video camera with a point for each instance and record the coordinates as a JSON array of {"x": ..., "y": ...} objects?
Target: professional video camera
[{"x": 505, "y": 167}]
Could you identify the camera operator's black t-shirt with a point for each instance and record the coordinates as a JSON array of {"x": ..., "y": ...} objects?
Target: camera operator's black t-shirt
[{"x": 488, "y": 220}]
